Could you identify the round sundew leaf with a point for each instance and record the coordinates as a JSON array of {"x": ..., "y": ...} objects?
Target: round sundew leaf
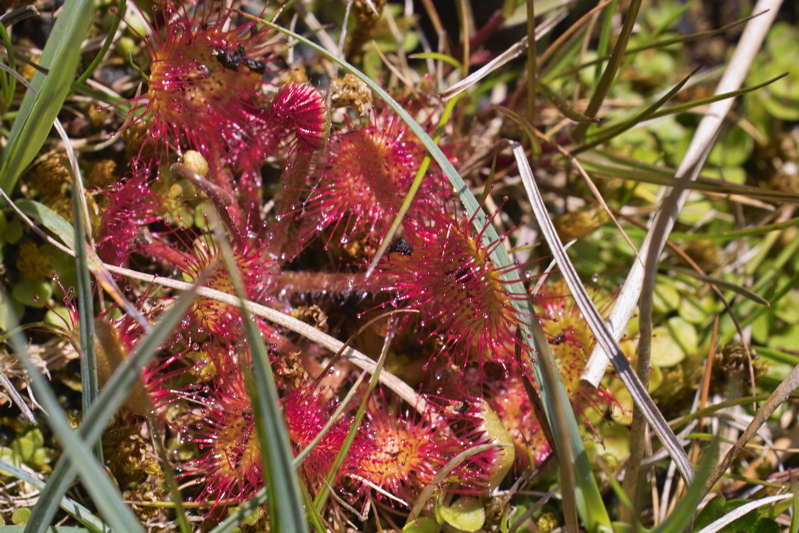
[
  {"x": 666, "y": 352},
  {"x": 13, "y": 231},
  {"x": 466, "y": 514},
  {"x": 26, "y": 445},
  {"x": 666, "y": 297},
  {"x": 733, "y": 149},
  {"x": 694, "y": 211},
  {"x": 422, "y": 524},
  {"x": 10, "y": 311},
  {"x": 622, "y": 411},
  {"x": 32, "y": 293},
  {"x": 3, "y": 227},
  {"x": 691, "y": 310},
  {"x": 58, "y": 316},
  {"x": 655, "y": 378},
  {"x": 21, "y": 516},
  {"x": 684, "y": 333},
  {"x": 786, "y": 308},
  {"x": 496, "y": 431}
]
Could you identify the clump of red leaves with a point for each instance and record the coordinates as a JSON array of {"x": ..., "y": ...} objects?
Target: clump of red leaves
[
  {"x": 202, "y": 92},
  {"x": 207, "y": 92}
]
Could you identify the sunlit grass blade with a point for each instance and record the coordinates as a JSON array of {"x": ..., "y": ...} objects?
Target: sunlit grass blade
[
  {"x": 111, "y": 397},
  {"x": 280, "y": 477},
  {"x": 38, "y": 111},
  {"x": 643, "y": 115},
  {"x": 441, "y": 57},
  {"x": 734, "y": 287},
  {"x": 563, "y": 106},
  {"x": 731, "y": 235},
  {"x": 681, "y": 39},
  {"x": 739, "y": 512},
  {"x": 120, "y": 11},
  {"x": 79, "y": 512},
  {"x": 602, "y": 88},
  {"x": 682, "y": 516},
  {"x": 612, "y": 130},
  {"x": 632, "y": 170},
  {"x": 90, "y": 386}
]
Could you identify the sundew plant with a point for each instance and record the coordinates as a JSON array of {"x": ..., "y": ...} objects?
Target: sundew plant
[{"x": 385, "y": 266}]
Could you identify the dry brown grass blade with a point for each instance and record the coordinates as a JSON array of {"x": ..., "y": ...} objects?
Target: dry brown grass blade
[{"x": 688, "y": 172}]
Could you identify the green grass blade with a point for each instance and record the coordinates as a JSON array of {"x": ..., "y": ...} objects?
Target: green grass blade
[
  {"x": 612, "y": 68},
  {"x": 49, "y": 219},
  {"x": 88, "y": 363},
  {"x": 604, "y": 39},
  {"x": 280, "y": 477},
  {"x": 683, "y": 515},
  {"x": 652, "y": 112},
  {"x": 9, "y": 81},
  {"x": 108, "y": 402},
  {"x": 643, "y": 115},
  {"x": 734, "y": 287},
  {"x": 232, "y": 522},
  {"x": 120, "y": 10},
  {"x": 38, "y": 111},
  {"x": 51, "y": 529}
]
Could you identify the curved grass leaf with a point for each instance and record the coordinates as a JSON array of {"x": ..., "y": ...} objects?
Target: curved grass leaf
[
  {"x": 41, "y": 104},
  {"x": 734, "y": 287},
  {"x": 739, "y": 512},
  {"x": 681, "y": 518},
  {"x": 643, "y": 115},
  {"x": 563, "y": 106},
  {"x": 609, "y": 74},
  {"x": 90, "y": 386}
]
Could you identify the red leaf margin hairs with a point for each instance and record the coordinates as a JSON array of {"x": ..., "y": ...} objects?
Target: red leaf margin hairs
[
  {"x": 367, "y": 172},
  {"x": 204, "y": 85},
  {"x": 209, "y": 315},
  {"x": 132, "y": 204},
  {"x": 447, "y": 275},
  {"x": 571, "y": 342}
]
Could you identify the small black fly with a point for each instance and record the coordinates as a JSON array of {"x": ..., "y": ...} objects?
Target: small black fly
[{"x": 400, "y": 246}]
